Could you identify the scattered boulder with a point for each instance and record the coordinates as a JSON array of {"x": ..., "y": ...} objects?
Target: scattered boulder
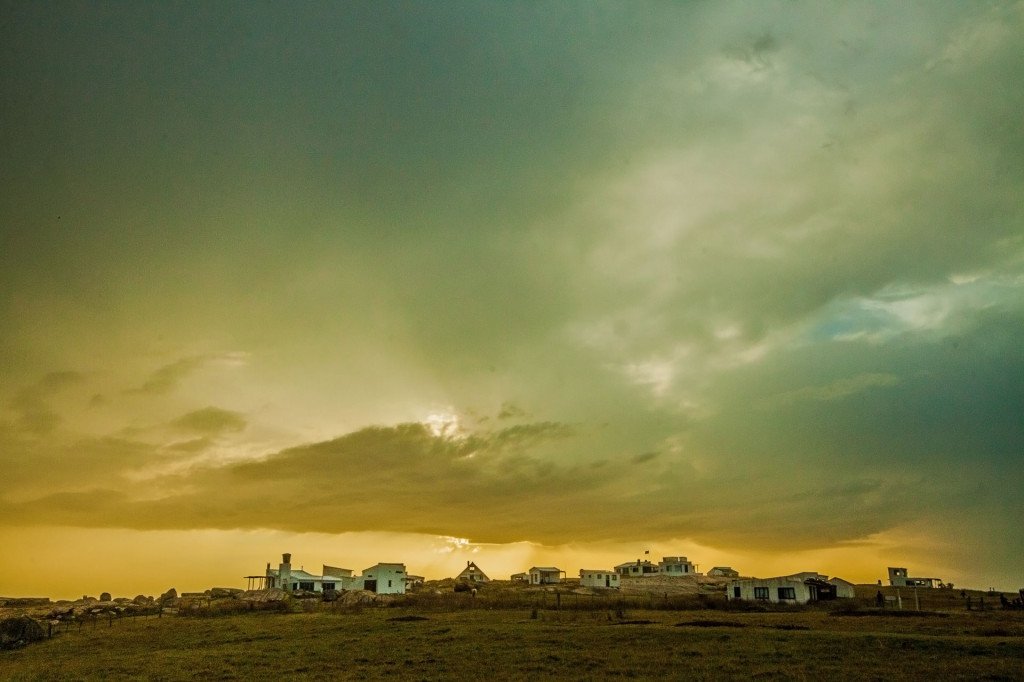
[
  {"x": 357, "y": 597},
  {"x": 61, "y": 615},
  {"x": 167, "y": 596},
  {"x": 271, "y": 594},
  {"x": 105, "y": 596},
  {"x": 19, "y": 631},
  {"x": 143, "y": 600},
  {"x": 225, "y": 592}
]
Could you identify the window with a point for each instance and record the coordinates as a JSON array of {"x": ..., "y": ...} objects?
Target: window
[
  {"x": 389, "y": 583},
  {"x": 760, "y": 593},
  {"x": 787, "y": 593}
]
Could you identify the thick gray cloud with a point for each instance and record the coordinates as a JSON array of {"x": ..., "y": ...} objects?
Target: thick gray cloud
[{"x": 758, "y": 270}]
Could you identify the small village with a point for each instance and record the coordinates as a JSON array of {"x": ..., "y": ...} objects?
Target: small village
[
  {"x": 670, "y": 598},
  {"x": 801, "y": 588}
]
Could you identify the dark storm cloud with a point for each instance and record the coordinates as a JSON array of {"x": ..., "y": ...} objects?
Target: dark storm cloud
[{"x": 733, "y": 264}]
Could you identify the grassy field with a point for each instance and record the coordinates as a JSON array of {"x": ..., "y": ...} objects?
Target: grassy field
[{"x": 433, "y": 643}]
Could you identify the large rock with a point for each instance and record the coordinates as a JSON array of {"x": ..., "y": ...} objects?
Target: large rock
[
  {"x": 357, "y": 597},
  {"x": 225, "y": 592},
  {"x": 19, "y": 631},
  {"x": 105, "y": 596},
  {"x": 272, "y": 594},
  {"x": 167, "y": 596}
]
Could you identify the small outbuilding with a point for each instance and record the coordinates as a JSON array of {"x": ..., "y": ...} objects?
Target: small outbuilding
[
  {"x": 598, "y": 578},
  {"x": 723, "y": 572},
  {"x": 545, "y": 575}
]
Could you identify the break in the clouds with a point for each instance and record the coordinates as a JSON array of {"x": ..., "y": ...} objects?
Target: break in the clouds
[{"x": 751, "y": 275}]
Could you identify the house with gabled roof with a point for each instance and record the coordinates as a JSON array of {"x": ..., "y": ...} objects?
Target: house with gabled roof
[{"x": 473, "y": 574}]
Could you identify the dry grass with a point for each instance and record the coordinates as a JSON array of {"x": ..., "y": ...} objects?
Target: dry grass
[{"x": 457, "y": 643}]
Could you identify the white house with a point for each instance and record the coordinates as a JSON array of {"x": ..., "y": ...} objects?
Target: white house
[
  {"x": 676, "y": 565},
  {"x": 545, "y": 575},
  {"x": 844, "y": 588},
  {"x": 598, "y": 578},
  {"x": 723, "y": 572},
  {"x": 473, "y": 574},
  {"x": 292, "y": 579},
  {"x": 799, "y": 588},
  {"x": 636, "y": 568},
  {"x": 898, "y": 578},
  {"x": 383, "y": 579}
]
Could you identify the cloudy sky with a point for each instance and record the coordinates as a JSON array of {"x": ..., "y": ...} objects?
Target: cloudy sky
[{"x": 518, "y": 282}]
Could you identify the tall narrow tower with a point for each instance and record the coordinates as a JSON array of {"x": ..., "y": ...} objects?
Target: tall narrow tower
[{"x": 285, "y": 572}]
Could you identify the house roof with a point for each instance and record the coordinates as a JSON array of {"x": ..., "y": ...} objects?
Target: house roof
[
  {"x": 645, "y": 562},
  {"x": 472, "y": 569},
  {"x": 546, "y": 569},
  {"x": 598, "y": 570},
  {"x": 383, "y": 563},
  {"x": 299, "y": 573}
]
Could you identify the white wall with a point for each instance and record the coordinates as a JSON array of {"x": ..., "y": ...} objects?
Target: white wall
[
  {"x": 747, "y": 590},
  {"x": 597, "y": 578},
  {"x": 390, "y": 578}
]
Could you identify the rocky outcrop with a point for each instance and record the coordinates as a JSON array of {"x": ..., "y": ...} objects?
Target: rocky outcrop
[
  {"x": 18, "y": 631},
  {"x": 272, "y": 594},
  {"x": 168, "y": 596}
]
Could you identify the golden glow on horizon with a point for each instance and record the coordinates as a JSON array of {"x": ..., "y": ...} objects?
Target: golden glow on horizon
[{"x": 66, "y": 563}]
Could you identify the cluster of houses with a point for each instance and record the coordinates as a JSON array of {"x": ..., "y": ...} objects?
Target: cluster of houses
[
  {"x": 392, "y": 578},
  {"x": 590, "y": 577},
  {"x": 384, "y": 578}
]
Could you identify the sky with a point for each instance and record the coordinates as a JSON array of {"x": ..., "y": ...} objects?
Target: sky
[{"x": 514, "y": 282}]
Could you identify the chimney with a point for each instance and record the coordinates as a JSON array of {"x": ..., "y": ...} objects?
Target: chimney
[
  {"x": 284, "y": 574},
  {"x": 467, "y": 564}
]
